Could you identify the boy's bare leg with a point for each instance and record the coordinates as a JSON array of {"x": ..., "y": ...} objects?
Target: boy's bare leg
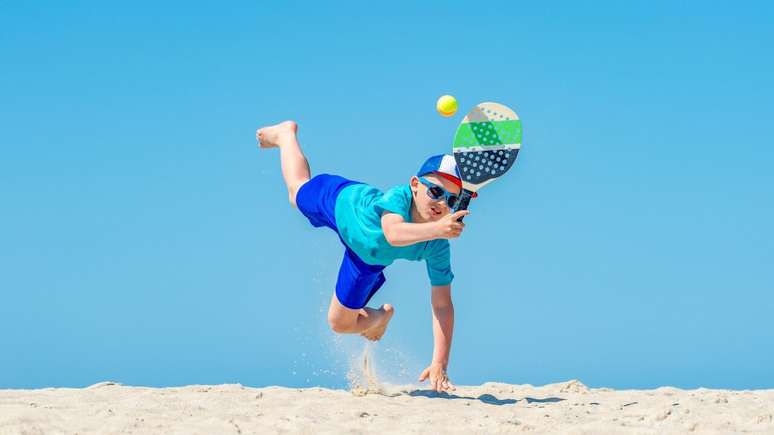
[
  {"x": 295, "y": 167},
  {"x": 368, "y": 322}
]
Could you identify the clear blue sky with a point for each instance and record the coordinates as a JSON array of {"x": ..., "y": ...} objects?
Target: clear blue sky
[{"x": 145, "y": 239}]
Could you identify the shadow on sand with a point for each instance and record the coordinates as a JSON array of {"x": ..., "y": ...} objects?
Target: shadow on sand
[{"x": 486, "y": 398}]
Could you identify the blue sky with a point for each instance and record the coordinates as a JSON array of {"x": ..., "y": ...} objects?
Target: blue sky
[{"x": 144, "y": 238}]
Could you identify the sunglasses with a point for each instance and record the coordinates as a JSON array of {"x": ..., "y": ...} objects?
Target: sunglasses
[{"x": 436, "y": 192}]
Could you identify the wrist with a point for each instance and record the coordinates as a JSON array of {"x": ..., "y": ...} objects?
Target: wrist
[
  {"x": 442, "y": 363},
  {"x": 435, "y": 230}
]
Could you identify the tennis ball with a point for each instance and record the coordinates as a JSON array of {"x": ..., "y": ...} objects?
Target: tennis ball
[{"x": 446, "y": 105}]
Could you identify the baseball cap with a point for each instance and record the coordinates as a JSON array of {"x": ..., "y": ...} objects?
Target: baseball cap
[{"x": 444, "y": 166}]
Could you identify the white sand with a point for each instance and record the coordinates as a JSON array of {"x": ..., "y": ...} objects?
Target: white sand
[{"x": 568, "y": 407}]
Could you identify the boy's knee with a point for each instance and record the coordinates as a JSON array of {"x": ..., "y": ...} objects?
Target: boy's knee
[
  {"x": 338, "y": 324},
  {"x": 293, "y": 193}
]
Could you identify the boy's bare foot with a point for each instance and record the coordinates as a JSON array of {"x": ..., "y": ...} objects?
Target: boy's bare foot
[
  {"x": 377, "y": 331},
  {"x": 271, "y": 136}
]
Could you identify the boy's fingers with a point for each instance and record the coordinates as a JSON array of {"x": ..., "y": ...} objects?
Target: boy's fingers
[
  {"x": 363, "y": 312},
  {"x": 460, "y": 213},
  {"x": 423, "y": 376}
]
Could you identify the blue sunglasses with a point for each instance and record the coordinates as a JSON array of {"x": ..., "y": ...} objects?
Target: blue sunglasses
[{"x": 436, "y": 192}]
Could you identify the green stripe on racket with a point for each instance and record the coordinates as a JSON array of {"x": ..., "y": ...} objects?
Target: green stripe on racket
[{"x": 485, "y": 147}]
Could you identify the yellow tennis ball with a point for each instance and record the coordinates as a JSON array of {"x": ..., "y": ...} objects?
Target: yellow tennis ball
[{"x": 446, "y": 105}]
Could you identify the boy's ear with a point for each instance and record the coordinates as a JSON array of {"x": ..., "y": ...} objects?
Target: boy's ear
[{"x": 413, "y": 183}]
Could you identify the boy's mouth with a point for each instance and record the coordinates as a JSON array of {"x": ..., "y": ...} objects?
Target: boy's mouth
[{"x": 435, "y": 211}]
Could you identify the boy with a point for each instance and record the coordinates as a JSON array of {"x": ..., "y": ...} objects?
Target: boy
[{"x": 411, "y": 221}]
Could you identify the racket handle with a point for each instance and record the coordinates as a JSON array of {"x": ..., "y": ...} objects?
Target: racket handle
[{"x": 463, "y": 202}]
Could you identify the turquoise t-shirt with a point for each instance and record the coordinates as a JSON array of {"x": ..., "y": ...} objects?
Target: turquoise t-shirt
[{"x": 358, "y": 215}]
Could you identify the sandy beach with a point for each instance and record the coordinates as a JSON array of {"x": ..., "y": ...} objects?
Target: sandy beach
[{"x": 568, "y": 407}]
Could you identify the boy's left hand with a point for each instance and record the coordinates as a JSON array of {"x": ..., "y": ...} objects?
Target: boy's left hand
[{"x": 439, "y": 380}]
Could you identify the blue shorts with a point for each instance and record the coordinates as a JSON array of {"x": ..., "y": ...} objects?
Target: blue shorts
[{"x": 357, "y": 281}]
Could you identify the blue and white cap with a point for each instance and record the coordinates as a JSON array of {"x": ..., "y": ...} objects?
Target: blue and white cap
[
  {"x": 441, "y": 164},
  {"x": 444, "y": 166}
]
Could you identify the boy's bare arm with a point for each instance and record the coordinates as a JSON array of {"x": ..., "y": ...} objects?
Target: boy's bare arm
[
  {"x": 443, "y": 330},
  {"x": 443, "y": 323},
  {"x": 401, "y": 233}
]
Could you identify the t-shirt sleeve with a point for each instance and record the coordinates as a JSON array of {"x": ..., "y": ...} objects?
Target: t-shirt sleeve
[
  {"x": 395, "y": 200},
  {"x": 439, "y": 263}
]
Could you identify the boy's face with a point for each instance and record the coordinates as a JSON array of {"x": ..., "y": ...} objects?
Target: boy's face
[{"x": 431, "y": 209}]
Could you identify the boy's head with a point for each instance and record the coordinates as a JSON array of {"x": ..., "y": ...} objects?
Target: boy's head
[{"x": 436, "y": 184}]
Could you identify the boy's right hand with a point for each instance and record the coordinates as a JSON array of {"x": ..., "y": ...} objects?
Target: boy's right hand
[{"x": 448, "y": 227}]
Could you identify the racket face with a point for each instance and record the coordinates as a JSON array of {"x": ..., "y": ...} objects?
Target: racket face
[{"x": 486, "y": 144}]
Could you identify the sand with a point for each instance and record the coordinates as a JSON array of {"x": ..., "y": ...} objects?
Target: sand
[{"x": 568, "y": 408}]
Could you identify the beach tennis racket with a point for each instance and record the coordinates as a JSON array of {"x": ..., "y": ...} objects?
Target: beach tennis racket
[{"x": 485, "y": 146}]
